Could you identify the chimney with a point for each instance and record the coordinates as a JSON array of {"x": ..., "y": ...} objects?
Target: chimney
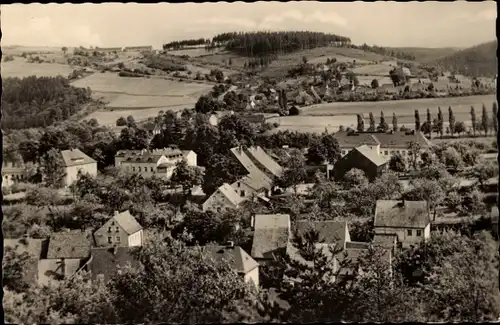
[{"x": 115, "y": 213}]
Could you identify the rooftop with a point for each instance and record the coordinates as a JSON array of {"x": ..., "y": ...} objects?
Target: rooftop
[
  {"x": 271, "y": 234},
  {"x": 239, "y": 259},
  {"x": 230, "y": 193},
  {"x": 127, "y": 222},
  {"x": 75, "y": 157},
  {"x": 401, "y": 214},
  {"x": 371, "y": 155},
  {"x": 71, "y": 244},
  {"x": 330, "y": 232}
]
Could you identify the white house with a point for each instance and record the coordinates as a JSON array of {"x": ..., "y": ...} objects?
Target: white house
[
  {"x": 409, "y": 221},
  {"x": 121, "y": 230},
  {"x": 224, "y": 198},
  {"x": 76, "y": 161}
]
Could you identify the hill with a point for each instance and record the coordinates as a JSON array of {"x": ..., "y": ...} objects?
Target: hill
[
  {"x": 476, "y": 61},
  {"x": 425, "y": 54}
]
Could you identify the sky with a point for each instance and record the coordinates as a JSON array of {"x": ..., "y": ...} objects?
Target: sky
[{"x": 410, "y": 24}]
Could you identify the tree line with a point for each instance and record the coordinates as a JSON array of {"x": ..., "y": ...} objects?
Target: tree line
[
  {"x": 40, "y": 101},
  {"x": 385, "y": 51},
  {"x": 177, "y": 45}
]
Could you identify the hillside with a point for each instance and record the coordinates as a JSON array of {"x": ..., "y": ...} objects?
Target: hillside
[
  {"x": 425, "y": 54},
  {"x": 476, "y": 61}
]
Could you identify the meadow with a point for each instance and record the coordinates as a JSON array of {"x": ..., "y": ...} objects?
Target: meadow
[
  {"x": 21, "y": 69},
  {"x": 108, "y": 117}
]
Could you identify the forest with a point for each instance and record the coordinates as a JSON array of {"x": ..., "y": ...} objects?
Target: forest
[
  {"x": 177, "y": 45},
  {"x": 40, "y": 101}
]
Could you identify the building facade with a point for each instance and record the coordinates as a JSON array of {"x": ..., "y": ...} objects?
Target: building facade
[
  {"x": 76, "y": 161},
  {"x": 223, "y": 199},
  {"x": 121, "y": 230}
]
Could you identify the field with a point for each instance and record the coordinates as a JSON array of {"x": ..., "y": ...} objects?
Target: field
[
  {"x": 373, "y": 69},
  {"x": 193, "y": 52},
  {"x": 109, "y": 117},
  {"x": 20, "y": 68},
  {"x": 316, "y": 117}
]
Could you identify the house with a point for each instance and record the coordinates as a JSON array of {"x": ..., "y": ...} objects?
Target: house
[
  {"x": 106, "y": 262},
  {"x": 216, "y": 116},
  {"x": 159, "y": 162},
  {"x": 239, "y": 260},
  {"x": 241, "y": 154},
  {"x": 76, "y": 161},
  {"x": 408, "y": 220},
  {"x": 384, "y": 143},
  {"x": 148, "y": 48},
  {"x": 263, "y": 161},
  {"x": 224, "y": 198},
  {"x": 12, "y": 172},
  {"x": 36, "y": 248},
  {"x": 330, "y": 232},
  {"x": 108, "y": 49},
  {"x": 153, "y": 129},
  {"x": 362, "y": 158},
  {"x": 352, "y": 257},
  {"x": 250, "y": 185},
  {"x": 122, "y": 230},
  {"x": 67, "y": 253},
  {"x": 271, "y": 236}
]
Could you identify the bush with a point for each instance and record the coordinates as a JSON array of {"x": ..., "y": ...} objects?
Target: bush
[
  {"x": 294, "y": 111},
  {"x": 8, "y": 58},
  {"x": 121, "y": 121}
]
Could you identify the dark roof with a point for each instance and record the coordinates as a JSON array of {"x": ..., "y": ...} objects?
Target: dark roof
[
  {"x": 75, "y": 244},
  {"x": 376, "y": 159},
  {"x": 127, "y": 222},
  {"x": 271, "y": 234},
  {"x": 352, "y": 140},
  {"x": 75, "y": 157},
  {"x": 392, "y": 213},
  {"x": 148, "y": 155},
  {"x": 330, "y": 232},
  {"x": 265, "y": 160},
  {"x": 239, "y": 259},
  {"x": 106, "y": 262}
]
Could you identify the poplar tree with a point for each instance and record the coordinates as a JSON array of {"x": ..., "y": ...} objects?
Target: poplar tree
[
  {"x": 473, "y": 119},
  {"x": 417, "y": 121},
  {"x": 394, "y": 122},
  {"x": 451, "y": 120}
]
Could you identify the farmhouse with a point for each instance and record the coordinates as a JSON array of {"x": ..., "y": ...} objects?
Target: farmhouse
[
  {"x": 239, "y": 260},
  {"x": 122, "y": 229},
  {"x": 350, "y": 140},
  {"x": 76, "y": 161},
  {"x": 34, "y": 247},
  {"x": 224, "y": 198},
  {"x": 147, "y": 48},
  {"x": 12, "y": 172},
  {"x": 408, "y": 220},
  {"x": 250, "y": 185},
  {"x": 106, "y": 261},
  {"x": 108, "y": 49},
  {"x": 271, "y": 236},
  {"x": 363, "y": 158},
  {"x": 159, "y": 162}
]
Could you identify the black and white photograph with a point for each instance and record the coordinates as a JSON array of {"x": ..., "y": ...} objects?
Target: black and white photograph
[{"x": 249, "y": 162}]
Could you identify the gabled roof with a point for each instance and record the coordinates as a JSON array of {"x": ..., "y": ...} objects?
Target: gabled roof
[
  {"x": 330, "y": 232},
  {"x": 352, "y": 140},
  {"x": 271, "y": 233},
  {"x": 265, "y": 160},
  {"x": 106, "y": 261},
  {"x": 256, "y": 182},
  {"x": 248, "y": 164},
  {"x": 410, "y": 214},
  {"x": 230, "y": 193},
  {"x": 371, "y": 155},
  {"x": 70, "y": 245},
  {"x": 236, "y": 256},
  {"x": 75, "y": 157},
  {"x": 401, "y": 139},
  {"x": 127, "y": 222}
]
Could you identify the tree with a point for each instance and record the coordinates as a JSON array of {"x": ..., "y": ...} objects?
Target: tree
[
  {"x": 131, "y": 122},
  {"x": 372, "y": 126},
  {"x": 304, "y": 60},
  {"x": 16, "y": 267},
  {"x": 383, "y": 126},
  {"x": 52, "y": 167},
  {"x": 397, "y": 163},
  {"x": 64, "y": 49},
  {"x": 417, "y": 121},
  {"x": 429, "y": 123},
  {"x": 177, "y": 284},
  {"x": 440, "y": 122},
  {"x": 361, "y": 123},
  {"x": 355, "y": 177},
  {"x": 206, "y": 104},
  {"x": 121, "y": 121},
  {"x": 426, "y": 190},
  {"x": 495, "y": 117},
  {"x": 485, "y": 170},
  {"x": 294, "y": 111},
  {"x": 485, "y": 121},
  {"x": 459, "y": 128},
  {"x": 375, "y": 84},
  {"x": 473, "y": 119},
  {"x": 452, "y": 121},
  {"x": 451, "y": 158},
  {"x": 186, "y": 176},
  {"x": 394, "y": 122},
  {"x": 414, "y": 153},
  {"x": 295, "y": 171}
]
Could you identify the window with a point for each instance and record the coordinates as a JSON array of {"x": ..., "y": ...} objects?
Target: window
[
  {"x": 239, "y": 184},
  {"x": 110, "y": 240},
  {"x": 118, "y": 239},
  {"x": 109, "y": 229},
  {"x": 152, "y": 170},
  {"x": 242, "y": 193},
  {"x": 139, "y": 169},
  {"x": 409, "y": 232},
  {"x": 419, "y": 233},
  {"x": 386, "y": 152},
  {"x": 133, "y": 169},
  {"x": 117, "y": 229}
]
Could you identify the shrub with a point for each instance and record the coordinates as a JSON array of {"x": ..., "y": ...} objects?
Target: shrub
[{"x": 294, "y": 111}]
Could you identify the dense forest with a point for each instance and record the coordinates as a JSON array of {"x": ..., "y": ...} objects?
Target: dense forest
[
  {"x": 476, "y": 61},
  {"x": 263, "y": 44},
  {"x": 385, "y": 51},
  {"x": 176, "y": 45},
  {"x": 39, "y": 102}
]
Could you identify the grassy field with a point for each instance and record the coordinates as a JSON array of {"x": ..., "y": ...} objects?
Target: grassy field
[
  {"x": 194, "y": 52},
  {"x": 316, "y": 118},
  {"x": 20, "y": 68},
  {"x": 109, "y": 117},
  {"x": 373, "y": 70}
]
